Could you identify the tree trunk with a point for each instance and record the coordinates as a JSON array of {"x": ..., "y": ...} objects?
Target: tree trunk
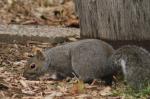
[{"x": 114, "y": 19}]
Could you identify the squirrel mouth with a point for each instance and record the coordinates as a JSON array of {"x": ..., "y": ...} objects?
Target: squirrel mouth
[{"x": 30, "y": 76}]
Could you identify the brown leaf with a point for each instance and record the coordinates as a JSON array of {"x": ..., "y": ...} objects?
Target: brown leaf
[
  {"x": 78, "y": 87},
  {"x": 106, "y": 91},
  {"x": 3, "y": 87},
  {"x": 24, "y": 84}
]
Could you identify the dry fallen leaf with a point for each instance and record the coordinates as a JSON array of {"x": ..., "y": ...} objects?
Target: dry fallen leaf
[
  {"x": 53, "y": 95},
  {"x": 84, "y": 96},
  {"x": 106, "y": 91},
  {"x": 24, "y": 84},
  {"x": 28, "y": 92},
  {"x": 3, "y": 87},
  {"x": 78, "y": 87}
]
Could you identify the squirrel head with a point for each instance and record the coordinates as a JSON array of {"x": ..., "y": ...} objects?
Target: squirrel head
[{"x": 35, "y": 66}]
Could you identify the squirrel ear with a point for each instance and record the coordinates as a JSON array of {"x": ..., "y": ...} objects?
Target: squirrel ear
[{"x": 40, "y": 55}]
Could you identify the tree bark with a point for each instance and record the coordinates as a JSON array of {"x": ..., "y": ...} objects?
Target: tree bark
[{"x": 114, "y": 19}]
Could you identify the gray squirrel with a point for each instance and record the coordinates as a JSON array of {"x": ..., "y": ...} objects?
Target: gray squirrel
[
  {"x": 134, "y": 62},
  {"x": 85, "y": 58}
]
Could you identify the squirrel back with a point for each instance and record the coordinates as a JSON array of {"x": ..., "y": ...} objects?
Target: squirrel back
[
  {"x": 134, "y": 62},
  {"x": 89, "y": 58}
]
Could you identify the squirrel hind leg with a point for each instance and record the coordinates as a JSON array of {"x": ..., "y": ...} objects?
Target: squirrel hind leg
[
  {"x": 89, "y": 81},
  {"x": 86, "y": 80},
  {"x": 108, "y": 80}
]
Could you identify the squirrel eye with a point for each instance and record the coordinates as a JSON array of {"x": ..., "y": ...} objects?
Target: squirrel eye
[{"x": 32, "y": 66}]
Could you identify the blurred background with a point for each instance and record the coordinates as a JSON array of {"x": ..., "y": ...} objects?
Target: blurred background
[{"x": 41, "y": 12}]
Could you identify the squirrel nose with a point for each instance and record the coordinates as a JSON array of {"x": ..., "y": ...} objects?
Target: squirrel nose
[
  {"x": 29, "y": 77},
  {"x": 25, "y": 75}
]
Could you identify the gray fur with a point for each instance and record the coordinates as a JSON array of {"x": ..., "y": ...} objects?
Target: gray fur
[
  {"x": 85, "y": 58},
  {"x": 135, "y": 62}
]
